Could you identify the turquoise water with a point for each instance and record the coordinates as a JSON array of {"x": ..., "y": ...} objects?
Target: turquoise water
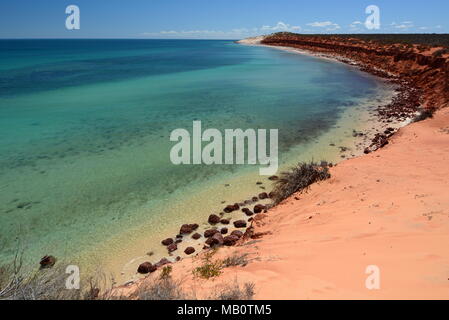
[{"x": 85, "y": 126}]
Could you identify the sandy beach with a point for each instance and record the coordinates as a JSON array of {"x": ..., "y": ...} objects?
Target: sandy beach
[{"x": 386, "y": 208}]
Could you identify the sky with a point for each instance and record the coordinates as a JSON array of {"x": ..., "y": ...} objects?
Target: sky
[{"x": 216, "y": 19}]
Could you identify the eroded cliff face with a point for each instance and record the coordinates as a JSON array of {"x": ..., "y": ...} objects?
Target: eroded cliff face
[{"x": 425, "y": 68}]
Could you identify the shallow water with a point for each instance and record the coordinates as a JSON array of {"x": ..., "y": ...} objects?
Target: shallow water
[{"x": 85, "y": 126}]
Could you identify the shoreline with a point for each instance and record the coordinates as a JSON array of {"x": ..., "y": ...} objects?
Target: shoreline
[{"x": 380, "y": 140}]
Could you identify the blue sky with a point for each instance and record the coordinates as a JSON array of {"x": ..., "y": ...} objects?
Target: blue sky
[{"x": 215, "y": 19}]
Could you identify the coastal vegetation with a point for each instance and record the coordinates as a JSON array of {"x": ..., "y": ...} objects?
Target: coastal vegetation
[{"x": 299, "y": 179}]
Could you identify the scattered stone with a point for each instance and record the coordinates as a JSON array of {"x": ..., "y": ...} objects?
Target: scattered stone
[
  {"x": 189, "y": 250},
  {"x": 224, "y": 221},
  {"x": 259, "y": 208},
  {"x": 167, "y": 241},
  {"x": 263, "y": 196},
  {"x": 196, "y": 236},
  {"x": 230, "y": 240},
  {"x": 188, "y": 228},
  {"x": 213, "y": 219},
  {"x": 47, "y": 262},
  {"x": 224, "y": 230},
  {"x": 247, "y": 212},
  {"x": 146, "y": 267},
  {"x": 209, "y": 233},
  {"x": 273, "y": 178},
  {"x": 232, "y": 207},
  {"x": 172, "y": 247},
  {"x": 237, "y": 233},
  {"x": 240, "y": 224}
]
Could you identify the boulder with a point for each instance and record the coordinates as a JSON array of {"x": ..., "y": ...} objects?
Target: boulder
[
  {"x": 224, "y": 221},
  {"x": 230, "y": 240},
  {"x": 263, "y": 195},
  {"x": 188, "y": 228},
  {"x": 237, "y": 233},
  {"x": 213, "y": 219},
  {"x": 196, "y": 236},
  {"x": 172, "y": 247},
  {"x": 215, "y": 240},
  {"x": 247, "y": 212},
  {"x": 189, "y": 250},
  {"x": 240, "y": 224},
  {"x": 259, "y": 208},
  {"x": 167, "y": 241},
  {"x": 146, "y": 267},
  {"x": 209, "y": 233},
  {"x": 232, "y": 207},
  {"x": 224, "y": 230},
  {"x": 47, "y": 262}
]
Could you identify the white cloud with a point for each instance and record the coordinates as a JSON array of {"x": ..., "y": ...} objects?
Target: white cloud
[
  {"x": 236, "y": 33},
  {"x": 281, "y": 26},
  {"x": 328, "y": 25}
]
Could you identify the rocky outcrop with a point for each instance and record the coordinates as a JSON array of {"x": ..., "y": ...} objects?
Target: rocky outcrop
[{"x": 418, "y": 66}]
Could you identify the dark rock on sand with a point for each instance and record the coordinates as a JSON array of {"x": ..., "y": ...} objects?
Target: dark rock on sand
[
  {"x": 47, "y": 262},
  {"x": 224, "y": 221},
  {"x": 240, "y": 224},
  {"x": 188, "y": 228},
  {"x": 263, "y": 196},
  {"x": 259, "y": 208},
  {"x": 247, "y": 212},
  {"x": 213, "y": 219},
  {"x": 209, "y": 233},
  {"x": 167, "y": 241},
  {"x": 196, "y": 236},
  {"x": 146, "y": 267},
  {"x": 215, "y": 240},
  {"x": 237, "y": 233},
  {"x": 172, "y": 247},
  {"x": 232, "y": 207},
  {"x": 273, "y": 178},
  {"x": 224, "y": 230},
  {"x": 230, "y": 240},
  {"x": 189, "y": 250}
]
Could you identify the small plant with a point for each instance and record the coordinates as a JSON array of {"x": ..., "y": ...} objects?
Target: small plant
[
  {"x": 162, "y": 289},
  {"x": 208, "y": 270},
  {"x": 299, "y": 179},
  {"x": 236, "y": 260},
  {"x": 424, "y": 114},
  {"x": 166, "y": 272},
  {"x": 235, "y": 292}
]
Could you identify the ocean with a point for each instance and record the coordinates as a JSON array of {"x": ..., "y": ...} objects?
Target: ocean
[{"x": 85, "y": 171}]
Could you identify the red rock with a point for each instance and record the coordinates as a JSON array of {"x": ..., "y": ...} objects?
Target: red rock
[
  {"x": 232, "y": 207},
  {"x": 237, "y": 233},
  {"x": 188, "y": 228},
  {"x": 196, "y": 236},
  {"x": 172, "y": 247},
  {"x": 259, "y": 208},
  {"x": 146, "y": 267},
  {"x": 209, "y": 233},
  {"x": 167, "y": 241},
  {"x": 189, "y": 250},
  {"x": 240, "y": 224},
  {"x": 213, "y": 219},
  {"x": 230, "y": 240},
  {"x": 263, "y": 195}
]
